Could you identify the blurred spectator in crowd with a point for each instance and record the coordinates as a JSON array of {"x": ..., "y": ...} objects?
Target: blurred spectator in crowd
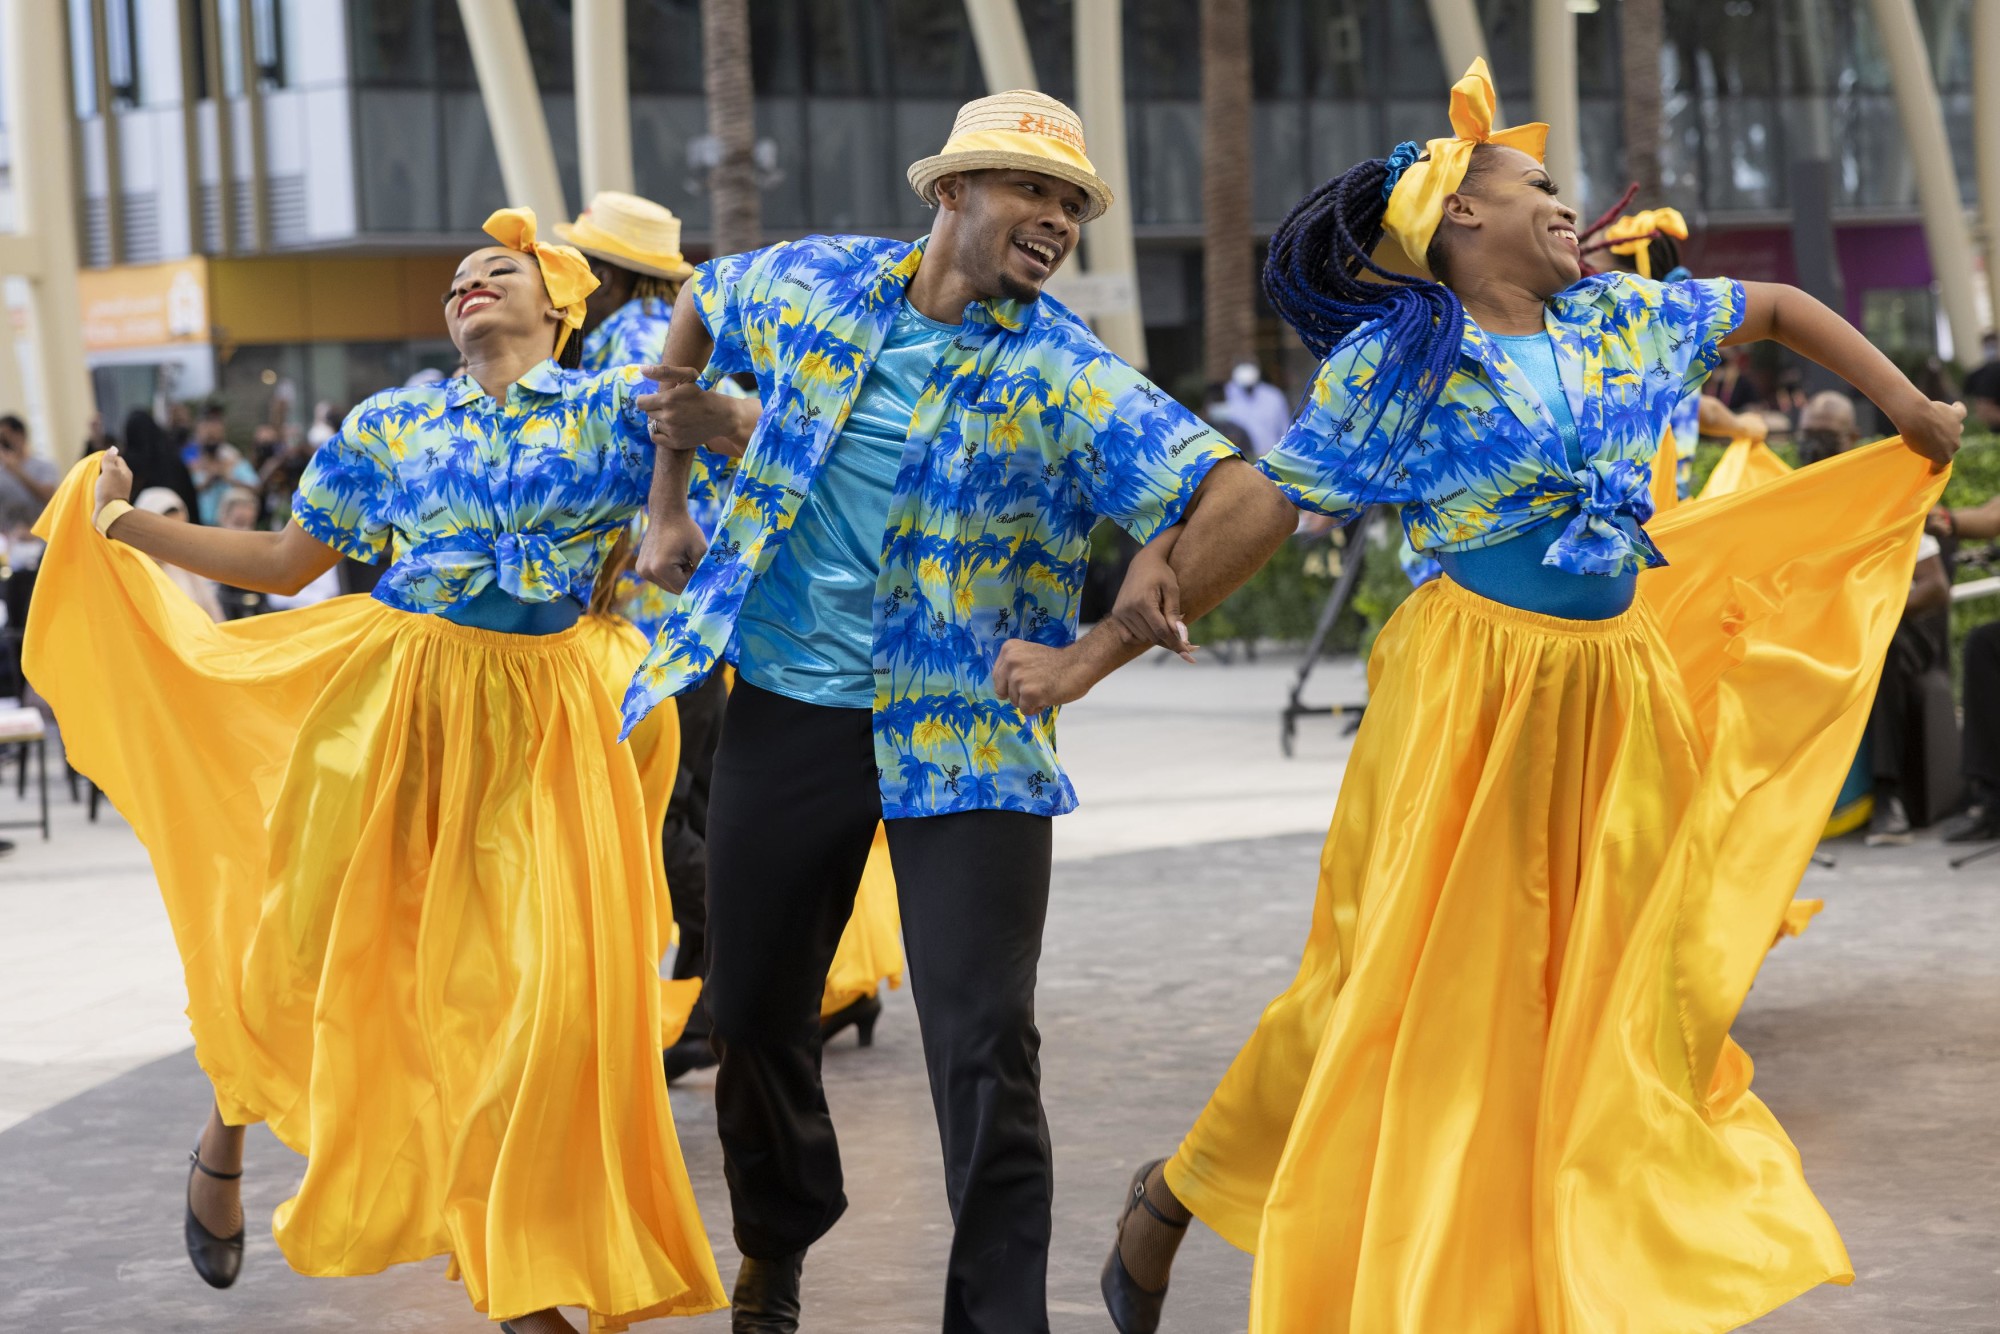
[
  {"x": 153, "y": 458},
  {"x": 159, "y": 500},
  {"x": 1921, "y": 645},
  {"x": 180, "y": 427},
  {"x": 215, "y": 464},
  {"x": 279, "y": 478},
  {"x": 1982, "y": 385},
  {"x": 325, "y": 422},
  {"x": 1826, "y": 427},
  {"x": 26, "y": 482},
  {"x": 238, "y": 510},
  {"x": 265, "y": 443},
  {"x": 1261, "y": 409},
  {"x": 1981, "y": 750}
]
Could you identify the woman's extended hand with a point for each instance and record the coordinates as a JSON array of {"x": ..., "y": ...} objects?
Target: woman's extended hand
[
  {"x": 1933, "y": 429},
  {"x": 1149, "y": 605},
  {"x": 114, "y": 480}
]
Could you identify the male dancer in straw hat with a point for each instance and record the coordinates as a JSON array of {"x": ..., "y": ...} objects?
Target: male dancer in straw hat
[{"x": 896, "y": 578}]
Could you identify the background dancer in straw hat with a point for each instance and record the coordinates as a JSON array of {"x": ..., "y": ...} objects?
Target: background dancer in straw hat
[
  {"x": 634, "y": 249},
  {"x": 896, "y": 578}
]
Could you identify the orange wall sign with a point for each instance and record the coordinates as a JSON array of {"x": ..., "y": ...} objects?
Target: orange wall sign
[{"x": 145, "y": 305}]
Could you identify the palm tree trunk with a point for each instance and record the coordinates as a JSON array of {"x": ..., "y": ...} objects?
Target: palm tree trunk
[
  {"x": 737, "y": 218},
  {"x": 1228, "y": 253},
  {"x": 1641, "y": 34}
]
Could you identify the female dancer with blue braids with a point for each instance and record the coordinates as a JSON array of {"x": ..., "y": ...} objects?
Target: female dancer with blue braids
[{"x": 1501, "y": 1096}]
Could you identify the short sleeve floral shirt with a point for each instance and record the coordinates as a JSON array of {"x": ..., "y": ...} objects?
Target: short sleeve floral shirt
[
  {"x": 1488, "y": 462},
  {"x": 528, "y": 491},
  {"x": 1028, "y": 431}
]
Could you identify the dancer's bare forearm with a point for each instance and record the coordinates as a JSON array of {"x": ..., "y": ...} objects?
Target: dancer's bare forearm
[
  {"x": 1809, "y": 327},
  {"x": 1233, "y": 524},
  {"x": 282, "y": 562}
]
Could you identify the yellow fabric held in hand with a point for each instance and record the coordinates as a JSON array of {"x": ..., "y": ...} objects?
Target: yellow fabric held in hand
[
  {"x": 1744, "y": 464},
  {"x": 1501, "y": 1095},
  {"x": 416, "y": 889}
]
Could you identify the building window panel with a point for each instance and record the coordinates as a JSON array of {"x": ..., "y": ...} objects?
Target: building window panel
[
  {"x": 847, "y": 44},
  {"x": 1334, "y": 38},
  {"x": 1166, "y": 176},
  {"x": 1163, "y": 49},
  {"x": 1278, "y": 54},
  {"x": 932, "y": 53},
  {"x": 663, "y": 46}
]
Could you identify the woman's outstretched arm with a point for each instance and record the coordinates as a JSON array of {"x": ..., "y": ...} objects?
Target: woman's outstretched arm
[
  {"x": 281, "y": 562},
  {"x": 1812, "y": 329}
]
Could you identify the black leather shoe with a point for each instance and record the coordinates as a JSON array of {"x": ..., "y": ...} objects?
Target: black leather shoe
[
  {"x": 1133, "y": 1309},
  {"x": 860, "y": 1016},
  {"x": 689, "y": 1054},
  {"x": 766, "y": 1300},
  {"x": 217, "y": 1259}
]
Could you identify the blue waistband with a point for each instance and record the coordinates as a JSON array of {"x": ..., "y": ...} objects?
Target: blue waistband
[
  {"x": 1513, "y": 572},
  {"x": 492, "y": 609}
]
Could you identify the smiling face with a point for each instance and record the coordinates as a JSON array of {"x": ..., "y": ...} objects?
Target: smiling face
[
  {"x": 1006, "y": 232},
  {"x": 1506, "y": 223},
  {"x": 497, "y": 297}
]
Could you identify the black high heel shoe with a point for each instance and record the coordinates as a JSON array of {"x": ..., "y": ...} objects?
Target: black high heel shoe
[
  {"x": 860, "y": 1016},
  {"x": 1133, "y": 1309},
  {"x": 217, "y": 1259},
  {"x": 766, "y": 1299}
]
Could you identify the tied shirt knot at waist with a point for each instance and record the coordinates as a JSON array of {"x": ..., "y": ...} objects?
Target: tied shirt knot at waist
[{"x": 1595, "y": 541}]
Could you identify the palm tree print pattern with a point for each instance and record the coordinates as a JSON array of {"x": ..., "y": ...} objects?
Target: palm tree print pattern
[
  {"x": 1489, "y": 460},
  {"x": 1027, "y": 432},
  {"x": 528, "y": 492},
  {"x": 636, "y": 335}
]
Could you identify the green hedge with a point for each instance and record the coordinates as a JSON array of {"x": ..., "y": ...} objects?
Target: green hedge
[{"x": 1282, "y": 601}]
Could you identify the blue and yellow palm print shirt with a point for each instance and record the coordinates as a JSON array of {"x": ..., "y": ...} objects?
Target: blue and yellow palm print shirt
[
  {"x": 1027, "y": 431},
  {"x": 635, "y": 334},
  {"x": 1488, "y": 462},
  {"x": 528, "y": 491}
]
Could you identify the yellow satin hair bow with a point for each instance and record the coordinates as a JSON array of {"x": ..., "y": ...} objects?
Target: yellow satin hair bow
[
  {"x": 1416, "y": 205},
  {"x": 565, "y": 272},
  {"x": 1633, "y": 234}
]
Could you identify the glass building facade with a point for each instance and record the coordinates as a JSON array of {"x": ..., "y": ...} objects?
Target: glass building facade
[{"x": 375, "y": 139}]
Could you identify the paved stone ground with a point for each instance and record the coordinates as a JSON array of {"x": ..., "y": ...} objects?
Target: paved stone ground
[{"x": 1873, "y": 1034}]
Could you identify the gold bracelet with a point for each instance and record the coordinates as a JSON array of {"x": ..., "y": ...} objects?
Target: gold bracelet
[{"x": 113, "y": 511}]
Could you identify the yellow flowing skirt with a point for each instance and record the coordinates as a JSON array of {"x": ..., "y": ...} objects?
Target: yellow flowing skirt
[
  {"x": 1501, "y": 1096},
  {"x": 416, "y": 889}
]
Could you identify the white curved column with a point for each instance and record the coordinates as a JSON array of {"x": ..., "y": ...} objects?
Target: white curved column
[
  {"x": 514, "y": 107},
  {"x": 603, "y": 98},
  {"x": 1937, "y": 184}
]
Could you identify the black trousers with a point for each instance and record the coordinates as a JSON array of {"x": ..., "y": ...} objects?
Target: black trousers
[
  {"x": 1981, "y": 756},
  {"x": 685, "y": 837},
  {"x": 791, "y": 817}
]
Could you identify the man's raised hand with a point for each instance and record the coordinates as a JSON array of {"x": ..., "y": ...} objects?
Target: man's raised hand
[{"x": 683, "y": 415}]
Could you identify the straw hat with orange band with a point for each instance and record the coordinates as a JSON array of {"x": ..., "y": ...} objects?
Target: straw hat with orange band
[
  {"x": 1016, "y": 130},
  {"x": 565, "y": 272},
  {"x": 630, "y": 232}
]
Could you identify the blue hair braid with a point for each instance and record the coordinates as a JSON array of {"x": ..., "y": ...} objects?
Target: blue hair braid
[{"x": 1313, "y": 280}]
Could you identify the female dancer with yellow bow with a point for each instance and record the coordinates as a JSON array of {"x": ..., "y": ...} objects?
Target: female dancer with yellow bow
[
  {"x": 1500, "y": 1096},
  {"x": 414, "y": 882}
]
